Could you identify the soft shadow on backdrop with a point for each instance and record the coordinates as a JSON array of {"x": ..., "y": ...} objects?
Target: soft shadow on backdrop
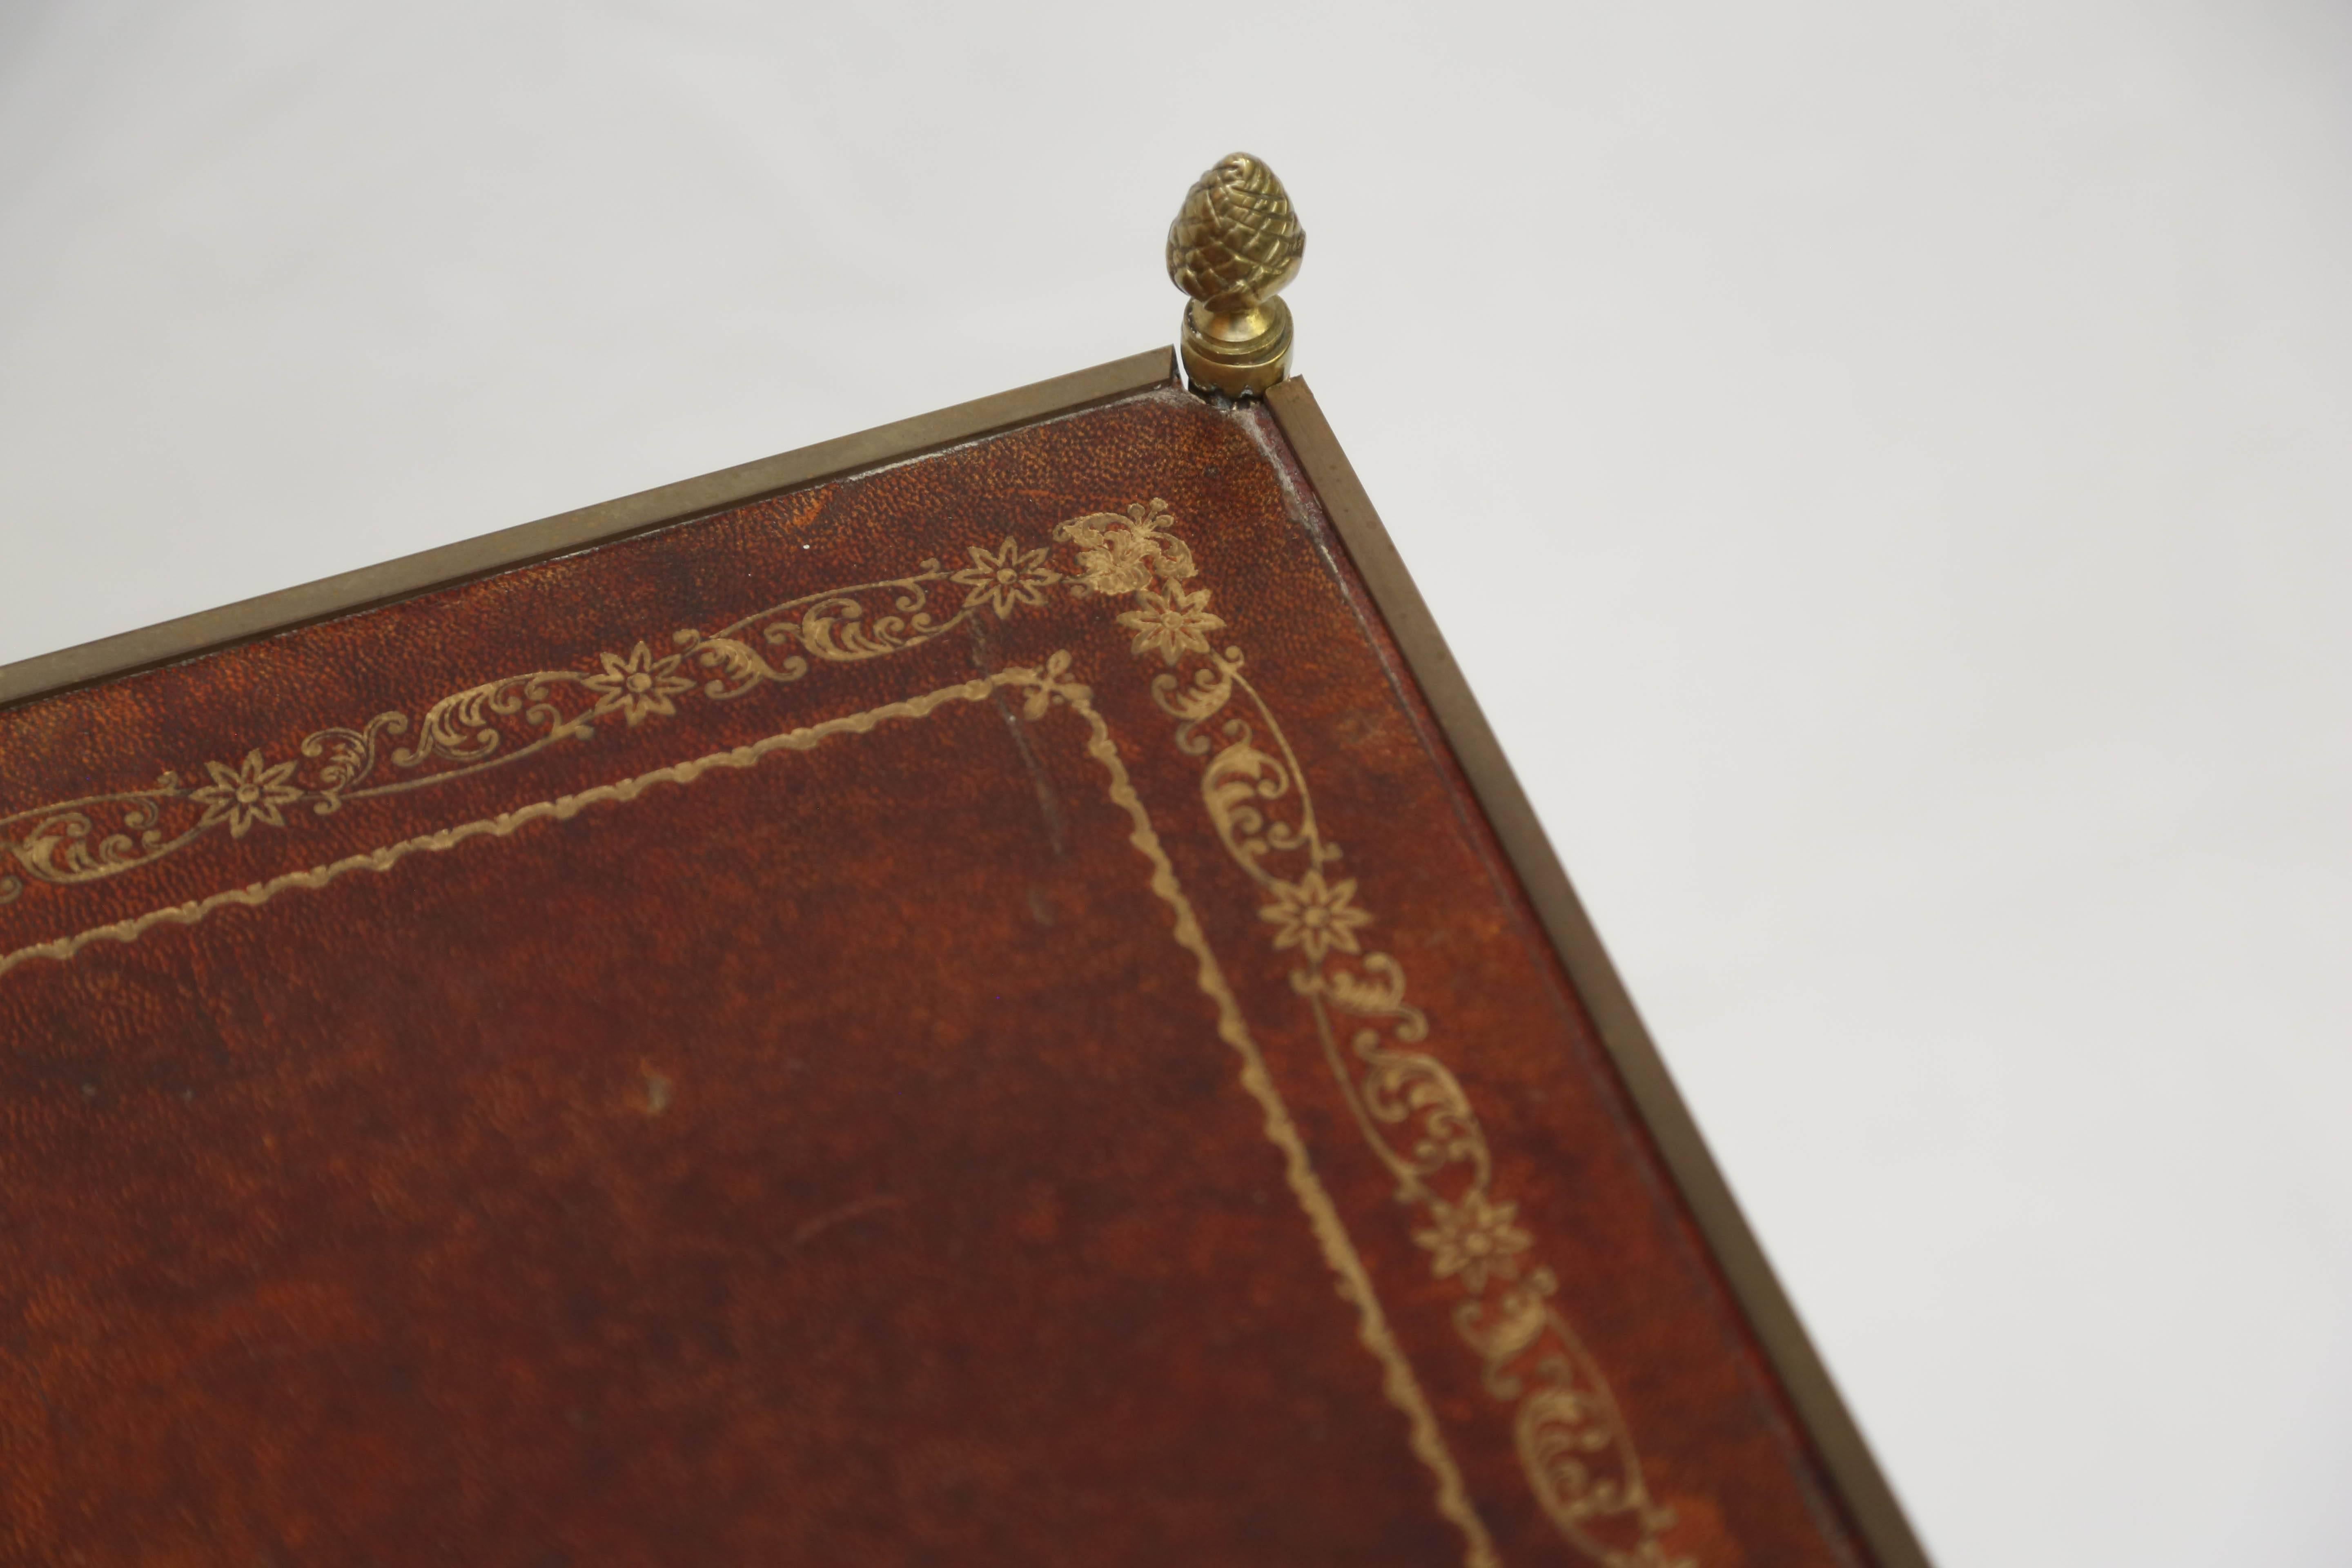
[{"x": 1892, "y": 487}]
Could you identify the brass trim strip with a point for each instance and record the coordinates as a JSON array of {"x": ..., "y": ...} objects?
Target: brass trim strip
[
  {"x": 1870, "y": 1503},
  {"x": 408, "y": 575}
]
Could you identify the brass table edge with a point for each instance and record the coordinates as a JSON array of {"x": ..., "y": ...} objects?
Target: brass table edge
[
  {"x": 209, "y": 631},
  {"x": 1870, "y": 1503}
]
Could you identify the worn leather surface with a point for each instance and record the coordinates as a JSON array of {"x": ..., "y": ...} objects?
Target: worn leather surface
[{"x": 836, "y": 1155}]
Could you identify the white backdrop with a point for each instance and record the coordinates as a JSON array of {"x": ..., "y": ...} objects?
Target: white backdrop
[{"x": 1892, "y": 493}]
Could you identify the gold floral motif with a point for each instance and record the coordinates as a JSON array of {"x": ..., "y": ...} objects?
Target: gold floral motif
[
  {"x": 1119, "y": 566},
  {"x": 1474, "y": 1238},
  {"x": 249, "y": 793},
  {"x": 1006, "y": 577},
  {"x": 638, "y": 687},
  {"x": 1118, "y": 555},
  {"x": 1173, "y": 623},
  {"x": 1315, "y": 916},
  {"x": 1574, "y": 1446}
]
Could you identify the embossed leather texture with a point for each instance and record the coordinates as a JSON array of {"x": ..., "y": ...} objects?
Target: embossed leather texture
[{"x": 959, "y": 1016}]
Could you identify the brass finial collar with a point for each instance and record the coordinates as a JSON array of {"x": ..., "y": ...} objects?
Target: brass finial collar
[{"x": 1234, "y": 244}]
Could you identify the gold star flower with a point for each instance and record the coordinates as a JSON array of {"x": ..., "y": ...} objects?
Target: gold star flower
[
  {"x": 1475, "y": 1238},
  {"x": 637, "y": 685},
  {"x": 1005, "y": 577},
  {"x": 1176, "y": 624},
  {"x": 247, "y": 794},
  {"x": 1316, "y": 916}
]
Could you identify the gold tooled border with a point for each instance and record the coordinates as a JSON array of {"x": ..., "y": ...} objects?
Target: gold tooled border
[
  {"x": 1047, "y": 688},
  {"x": 1862, "y": 1488}
]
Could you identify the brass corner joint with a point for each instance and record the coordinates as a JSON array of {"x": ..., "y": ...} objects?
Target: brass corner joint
[{"x": 1232, "y": 247}]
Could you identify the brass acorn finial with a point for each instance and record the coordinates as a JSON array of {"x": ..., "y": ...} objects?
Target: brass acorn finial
[{"x": 1232, "y": 247}]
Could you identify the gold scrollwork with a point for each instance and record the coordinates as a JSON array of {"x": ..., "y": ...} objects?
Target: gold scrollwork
[
  {"x": 1573, "y": 1443},
  {"x": 504, "y": 721}
]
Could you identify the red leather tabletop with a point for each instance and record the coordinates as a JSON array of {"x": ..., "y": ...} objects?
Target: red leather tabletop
[{"x": 959, "y": 1016}]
